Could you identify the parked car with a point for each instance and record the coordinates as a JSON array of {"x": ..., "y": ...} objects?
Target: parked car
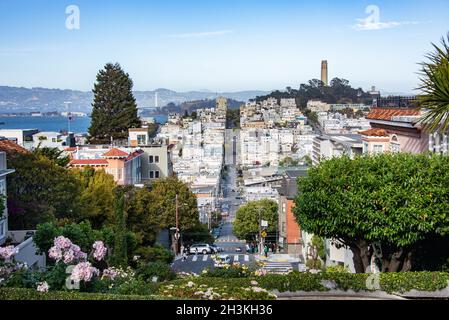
[
  {"x": 222, "y": 261},
  {"x": 201, "y": 248},
  {"x": 216, "y": 248}
]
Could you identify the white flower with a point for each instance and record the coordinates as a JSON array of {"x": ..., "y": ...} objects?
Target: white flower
[{"x": 43, "y": 287}]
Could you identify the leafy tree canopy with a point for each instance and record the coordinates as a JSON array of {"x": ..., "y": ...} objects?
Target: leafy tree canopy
[
  {"x": 247, "y": 219},
  {"x": 395, "y": 200}
]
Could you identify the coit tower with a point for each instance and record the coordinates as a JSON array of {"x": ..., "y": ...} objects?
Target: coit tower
[{"x": 324, "y": 72}]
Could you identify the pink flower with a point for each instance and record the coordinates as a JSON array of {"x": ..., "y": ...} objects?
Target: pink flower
[
  {"x": 83, "y": 272},
  {"x": 69, "y": 256},
  {"x": 99, "y": 250},
  {"x": 62, "y": 242},
  {"x": 110, "y": 273},
  {"x": 65, "y": 250},
  {"x": 43, "y": 287},
  {"x": 8, "y": 252}
]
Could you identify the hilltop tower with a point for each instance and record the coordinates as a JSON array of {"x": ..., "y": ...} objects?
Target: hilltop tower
[{"x": 324, "y": 73}]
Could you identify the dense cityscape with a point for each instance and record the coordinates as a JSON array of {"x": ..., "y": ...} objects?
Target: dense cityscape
[{"x": 319, "y": 192}]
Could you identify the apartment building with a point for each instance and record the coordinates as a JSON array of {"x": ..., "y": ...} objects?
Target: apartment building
[
  {"x": 23, "y": 137},
  {"x": 3, "y": 215},
  {"x": 124, "y": 164},
  {"x": 406, "y": 133},
  {"x": 329, "y": 146},
  {"x": 290, "y": 235}
]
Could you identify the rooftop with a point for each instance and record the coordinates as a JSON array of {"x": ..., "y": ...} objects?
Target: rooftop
[
  {"x": 10, "y": 147},
  {"x": 89, "y": 162},
  {"x": 375, "y": 133},
  {"x": 388, "y": 114},
  {"x": 116, "y": 153}
]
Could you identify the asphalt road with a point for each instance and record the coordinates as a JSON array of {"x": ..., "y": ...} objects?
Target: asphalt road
[{"x": 227, "y": 240}]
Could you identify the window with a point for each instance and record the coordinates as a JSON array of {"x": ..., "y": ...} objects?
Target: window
[
  {"x": 2, "y": 229},
  {"x": 151, "y": 159},
  {"x": 378, "y": 148},
  {"x": 156, "y": 174},
  {"x": 120, "y": 174},
  {"x": 141, "y": 139},
  {"x": 151, "y": 174},
  {"x": 156, "y": 159}
]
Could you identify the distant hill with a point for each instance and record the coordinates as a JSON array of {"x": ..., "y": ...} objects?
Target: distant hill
[{"x": 15, "y": 99}]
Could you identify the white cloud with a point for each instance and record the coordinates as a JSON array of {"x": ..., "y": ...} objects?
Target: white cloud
[
  {"x": 368, "y": 24},
  {"x": 207, "y": 34}
]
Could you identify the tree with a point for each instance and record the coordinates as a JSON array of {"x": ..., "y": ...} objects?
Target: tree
[
  {"x": 435, "y": 86},
  {"x": 53, "y": 154},
  {"x": 391, "y": 201},
  {"x": 143, "y": 218},
  {"x": 120, "y": 251},
  {"x": 247, "y": 222},
  {"x": 163, "y": 195},
  {"x": 114, "y": 107},
  {"x": 40, "y": 191},
  {"x": 97, "y": 196},
  {"x": 317, "y": 253}
]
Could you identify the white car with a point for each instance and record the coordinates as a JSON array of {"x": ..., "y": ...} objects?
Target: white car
[
  {"x": 202, "y": 248},
  {"x": 222, "y": 260}
]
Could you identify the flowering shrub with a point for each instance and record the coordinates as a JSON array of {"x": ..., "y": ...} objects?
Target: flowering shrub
[
  {"x": 212, "y": 290},
  {"x": 43, "y": 287},
  {"x": 84, "y": 271},
  {"x": 7, "y": 253},
  {"x": 99, "y": 250},
  {"x": 66, "y": 251},
  {"x": 236, "y": 270}
]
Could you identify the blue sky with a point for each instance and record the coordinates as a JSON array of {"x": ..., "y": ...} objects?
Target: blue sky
[{"x": 220, "y": 45}]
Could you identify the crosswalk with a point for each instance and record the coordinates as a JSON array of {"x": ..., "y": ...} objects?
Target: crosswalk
[{"x": 234, "y": 258}]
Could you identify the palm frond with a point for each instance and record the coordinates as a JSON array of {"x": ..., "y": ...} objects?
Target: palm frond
[{"x": 434, "y": 78}]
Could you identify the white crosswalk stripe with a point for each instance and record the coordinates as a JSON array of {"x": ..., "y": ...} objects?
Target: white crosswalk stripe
[
  {"x": 246, "y": 258},
  {"x": 205, "y": 258},
  {"x": 195, "y": 258},
  {"x": 236, "y": 258}
]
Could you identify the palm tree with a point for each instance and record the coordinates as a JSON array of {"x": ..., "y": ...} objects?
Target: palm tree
[{"x": 435, "y": 87}]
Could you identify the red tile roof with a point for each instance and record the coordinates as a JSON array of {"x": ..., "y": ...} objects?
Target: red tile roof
[
  {"x": 89, "y": 162},
  {"x": 116, "y": 153},
  {"x": 71, "y": 149},
  {"x": 134, "y": 155},
  {"x": 10, "y": 147},
  {"x": 388, "y": 114},
  {"x": 374, "y": 133}
]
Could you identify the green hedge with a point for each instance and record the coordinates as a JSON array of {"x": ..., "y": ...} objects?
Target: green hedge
[
  {"x": 389, "y": 282},
  {"x": 31, "y": 294}
]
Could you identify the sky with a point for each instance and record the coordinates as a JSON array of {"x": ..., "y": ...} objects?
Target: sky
[{"x": 218, "y": 45}]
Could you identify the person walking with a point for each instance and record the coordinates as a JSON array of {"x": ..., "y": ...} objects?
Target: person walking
[{"x": 266, "y": 251}]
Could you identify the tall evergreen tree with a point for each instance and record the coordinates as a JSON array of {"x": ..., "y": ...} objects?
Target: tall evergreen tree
[
  {"x": 114, "y": 107},
  {"x": 119, "y": 256}
]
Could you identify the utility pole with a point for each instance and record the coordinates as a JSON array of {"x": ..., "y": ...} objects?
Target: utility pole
[
  {"x": 260, "y": 231},
  {"x": 176, "y": 234}
]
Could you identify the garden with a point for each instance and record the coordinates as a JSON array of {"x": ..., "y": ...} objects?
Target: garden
[{"x": 74, "y": 274}]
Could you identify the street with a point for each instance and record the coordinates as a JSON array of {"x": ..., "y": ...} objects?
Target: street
[{"x": 227, "y": 240}]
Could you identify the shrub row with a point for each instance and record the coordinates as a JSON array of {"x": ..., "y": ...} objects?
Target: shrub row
[
  {"x": 388, "y": 282},
  {"x": 32, "y": 294}
]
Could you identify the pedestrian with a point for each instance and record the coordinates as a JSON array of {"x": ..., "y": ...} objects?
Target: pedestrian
[{"x": 266, "y": 251}]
